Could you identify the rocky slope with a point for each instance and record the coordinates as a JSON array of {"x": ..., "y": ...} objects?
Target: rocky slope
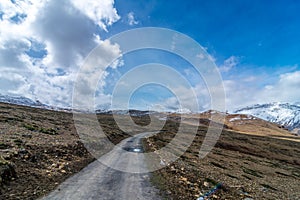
[{"x": 40, "y": 148}]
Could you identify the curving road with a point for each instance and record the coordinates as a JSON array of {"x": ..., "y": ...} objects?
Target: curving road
[{"x": 98, "y": 181}]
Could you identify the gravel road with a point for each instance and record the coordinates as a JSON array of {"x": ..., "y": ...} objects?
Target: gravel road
[{"x": 118, "y": 178}]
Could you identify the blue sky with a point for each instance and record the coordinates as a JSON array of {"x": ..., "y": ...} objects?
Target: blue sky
[
  {"x": 255, "y": 44},
  {"x": 264, "y": 33}
]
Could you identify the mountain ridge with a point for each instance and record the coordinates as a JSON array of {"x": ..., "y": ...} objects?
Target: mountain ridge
[
  {"x": 285, "y": 114},
  {"x": 24, "y": 101},
  {"x": 19, "y": 100}
]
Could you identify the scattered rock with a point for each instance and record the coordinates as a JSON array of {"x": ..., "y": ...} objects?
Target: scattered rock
[
  {"x": 4, "y": 146},
  {"x": 206, "y": 184},
  {"x": 183, "y": 179},
  {"x": 7, "y": 171}
]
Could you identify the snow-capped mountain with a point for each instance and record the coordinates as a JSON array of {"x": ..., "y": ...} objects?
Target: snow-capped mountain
[
  {"x": 20, "y": 101},
  {"x": 285, "y": 114}
]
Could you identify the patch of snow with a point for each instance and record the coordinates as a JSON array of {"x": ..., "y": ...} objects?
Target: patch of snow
[
  {"x": 235, "y": 119},
  {"x": 285, "y": 114}
]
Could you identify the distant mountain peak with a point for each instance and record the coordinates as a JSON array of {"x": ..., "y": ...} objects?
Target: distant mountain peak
[
  {"x": 20, "y": 101},
  {"x": 24, "y": 101},
  {"x": 285, "y": 114}
]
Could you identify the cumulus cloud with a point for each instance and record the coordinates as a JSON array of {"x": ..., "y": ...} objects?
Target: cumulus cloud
[
  {"x": 67, "y": 33},
  {"x": 92, "y": 75},
  {"x": 131, "y": 19},
  {"x": 43, "y": 44},
  {"x": 240, "y": 93},
  {"x": 286, "y": 89},
  {"x": 100, "y": 12}
]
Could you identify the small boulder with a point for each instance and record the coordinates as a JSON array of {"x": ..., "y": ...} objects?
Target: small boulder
[{"x": 7, "y": 171}]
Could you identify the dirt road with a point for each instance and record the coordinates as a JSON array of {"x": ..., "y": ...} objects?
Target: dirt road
[{"x": 113, "y": 179}]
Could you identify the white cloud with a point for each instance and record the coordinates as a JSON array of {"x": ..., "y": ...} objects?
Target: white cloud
[
  {"x": 64, "y": 30},
  {"x": 229, "y": 63},
  {"x": 91, "y": 78},
  {"x": 286, "y": 89},
  {"x": 101, "y": 12},
  {"x": 194, "y": 99},
  {"x": 238, "y": 94},
  {"x": 131, "y": 19},
  {"x": 211, "y": 58},
  {"x": 250, "y": 79},
  {"x": 69, "y": 32}
]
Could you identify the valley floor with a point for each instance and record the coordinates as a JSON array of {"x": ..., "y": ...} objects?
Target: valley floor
[{"x": 39, "y": 149}]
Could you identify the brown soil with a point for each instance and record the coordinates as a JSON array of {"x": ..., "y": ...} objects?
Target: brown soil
[
  {"x": 40, "y": 148},
  {"x": 246, "y": 124},
  {"x": 246, "y": 166}
]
